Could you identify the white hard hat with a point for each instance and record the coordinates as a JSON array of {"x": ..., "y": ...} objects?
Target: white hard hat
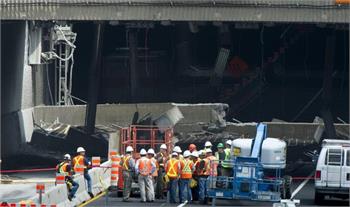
[
  {"x": 174, "y": 154},
  {"x": 187, "y": 153},
  {"x": 208, "y": 144},
  {"x": 208, "y": 150},
  {"x": 163, "y": 146},
  {"x": 229, "y": 142},
  {"x": 177, "y": 149},
  {"x": 195, "y": 154},
  {"x": 80, "y": 149},
  {"x": 67, "y": 157},
  {"x": 151, "y": 151},
  {"x": 143, "y": 152},
  {"x": 129, "y": 149}
]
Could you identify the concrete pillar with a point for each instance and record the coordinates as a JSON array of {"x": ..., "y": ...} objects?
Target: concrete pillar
[
  {"x": 16, "y": 83},
  {"x": 95, "y": 74},
  {"x": 327, "y": 87},
  {"x": 133, "y": 63}
]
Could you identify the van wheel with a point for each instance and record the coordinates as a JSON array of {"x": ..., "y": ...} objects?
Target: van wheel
[{"x": 319, "y": 198}]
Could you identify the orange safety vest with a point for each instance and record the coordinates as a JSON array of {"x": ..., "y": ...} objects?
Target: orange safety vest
[
  {"x": 206, "y": 166},
  {"x": 186, "y": 169},
  {"x": 145, "y": 166},
  {"x": 155, "y": 173},
  {"x": 78, "y": 160},
  {"x": 172, "y": 169},
  {"x": 196, "y": 167},
  {"x": 125, "y": 161},
  {"x": 211, "y": 166}
]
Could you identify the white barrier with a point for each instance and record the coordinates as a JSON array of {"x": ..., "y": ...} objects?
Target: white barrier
[{"x": 58, "y": 195}]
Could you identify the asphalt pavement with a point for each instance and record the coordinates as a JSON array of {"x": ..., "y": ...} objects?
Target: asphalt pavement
[{"x": 305, "y": 195}]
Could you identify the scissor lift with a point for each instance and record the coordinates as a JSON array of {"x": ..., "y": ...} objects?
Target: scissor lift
[{"x": 248, "y": 181}]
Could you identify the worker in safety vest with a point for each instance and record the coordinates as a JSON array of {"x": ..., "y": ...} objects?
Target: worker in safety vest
[
  {"x": 81, "y": 160},
  {"x": 227, "y": 163},
  {"x": 186, "y": 168},
  {"x": 172, "y": 169},
  {"x": 150, "y": 154},
  {"x": 144, "y": 169},
  {"x": 196, "y": 160},
  {"x": 207, "y": 167},
  {"x": 211, "y": 168},
  {"x": 220, "y": 155},
  {"x": 128, "y": 167},
  {"x": 178, "y": 150},
  {"x": 162, "y": 158},
  {"x": 65, "y": 168},
  {"x": 192, "y": 148}
]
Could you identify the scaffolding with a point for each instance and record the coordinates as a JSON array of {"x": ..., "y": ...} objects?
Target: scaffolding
[{"x": 64, "y": 46}]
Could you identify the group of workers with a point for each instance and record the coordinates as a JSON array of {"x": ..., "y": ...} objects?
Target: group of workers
[
  {"x": 185, "y": 174},
  {"x": 69, "y": 167}
]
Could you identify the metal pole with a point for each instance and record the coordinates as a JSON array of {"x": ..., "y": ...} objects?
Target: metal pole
[
  {"x": 40, "y": 196},
  {"x": 95, "y": 71}
]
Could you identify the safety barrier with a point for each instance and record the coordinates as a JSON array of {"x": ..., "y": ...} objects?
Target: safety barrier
[{"x": 58, "y": 195}]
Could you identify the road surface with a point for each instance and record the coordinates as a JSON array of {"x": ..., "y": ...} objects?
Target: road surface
[{"x": 305, "y": 195}]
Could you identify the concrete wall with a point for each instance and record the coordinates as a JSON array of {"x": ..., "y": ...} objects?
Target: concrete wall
[
  {"x": 22, "y": 86},
  {"x": 122, "y": 114}
]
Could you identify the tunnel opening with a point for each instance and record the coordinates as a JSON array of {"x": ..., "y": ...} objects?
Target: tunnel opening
[{"x": 263, "y": 71}]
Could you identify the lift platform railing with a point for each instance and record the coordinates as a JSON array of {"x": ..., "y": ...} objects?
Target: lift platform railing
[{"x": 246, "y": 182}]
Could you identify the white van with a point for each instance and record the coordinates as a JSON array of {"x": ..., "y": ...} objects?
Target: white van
[{"x": 332, "y": 176}]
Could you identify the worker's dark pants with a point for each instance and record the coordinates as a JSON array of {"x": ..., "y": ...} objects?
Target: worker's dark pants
[
  {"x": 160, "y": 184},
  {"x": 172, "y": 186},
  {"x": 73, "y": 189},
  {"x": 195, "y": 190},
  {"x": 88, "y": 180},
  {"x": 203, "y": 189}
]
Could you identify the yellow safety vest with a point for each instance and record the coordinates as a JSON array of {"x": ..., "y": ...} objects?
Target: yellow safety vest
[{"x": 126, "y": 162}]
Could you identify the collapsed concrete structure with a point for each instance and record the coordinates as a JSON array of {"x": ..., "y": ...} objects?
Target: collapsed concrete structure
[{"x": 56, "y": 129}]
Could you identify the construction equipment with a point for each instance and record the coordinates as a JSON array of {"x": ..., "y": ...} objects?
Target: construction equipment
[
  {"x": 143, "y": 137},
  {"x": 250, "y": 179}
]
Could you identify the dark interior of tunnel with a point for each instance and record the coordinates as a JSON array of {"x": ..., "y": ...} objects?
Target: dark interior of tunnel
[{"x": 284, "y": 67}]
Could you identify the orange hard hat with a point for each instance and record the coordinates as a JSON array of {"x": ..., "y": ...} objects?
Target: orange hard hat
[{"x": 192, "y": 147}]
